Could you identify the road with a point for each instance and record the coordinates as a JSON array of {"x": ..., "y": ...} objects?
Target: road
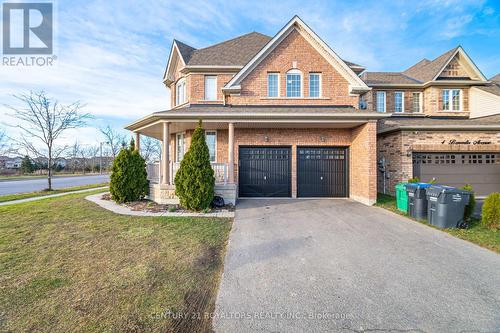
[{"x": 32, "y": 185}]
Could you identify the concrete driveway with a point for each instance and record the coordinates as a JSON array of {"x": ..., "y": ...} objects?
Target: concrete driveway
[{"x": 340, "y": 266}]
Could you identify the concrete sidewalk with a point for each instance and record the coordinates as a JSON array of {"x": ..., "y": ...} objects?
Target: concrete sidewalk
[{"x": 13, "y": 202}]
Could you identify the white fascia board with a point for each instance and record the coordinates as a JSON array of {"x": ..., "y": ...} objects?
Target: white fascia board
[
  {"x": 175, "y": 48},
  {"x": 467, "y": 58}
]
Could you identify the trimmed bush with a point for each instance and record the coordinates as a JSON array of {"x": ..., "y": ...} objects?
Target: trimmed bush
[
  {"x": 414, "y": 180},
  {"x": 491, "y": 211},
  {"x": 129, "y": 179},
  {"x": 195, "y": 181},
  {"x": 469, "y": 209}
]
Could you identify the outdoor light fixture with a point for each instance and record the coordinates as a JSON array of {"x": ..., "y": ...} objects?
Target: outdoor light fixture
[
  {"x": 322, "y": 138},
  {"x": 266, "y": 138}
]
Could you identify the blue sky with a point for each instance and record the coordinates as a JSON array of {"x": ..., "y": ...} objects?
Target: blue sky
[{"x": 112, "y": 54}]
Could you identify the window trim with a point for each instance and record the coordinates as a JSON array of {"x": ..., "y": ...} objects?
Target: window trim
[
  {"x": 385, "y": 101},
  {"x": 215, "y": 148},
  {"x": 181, "y": 82},
  {"x": 294, "y": 72},
  {"x": 402, "y": 101},
  {"x": 420, "y": 101},
  {"x": 205, "y": 88},
  {"x": 177, "y": 135},
  {"x": 277, "y": 74},
  {"x": 320, "y": 92},
  {"x": 450, "y": 100}
]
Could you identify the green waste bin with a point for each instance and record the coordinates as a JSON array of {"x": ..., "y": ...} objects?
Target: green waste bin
[{"x": 401, "y": 197}]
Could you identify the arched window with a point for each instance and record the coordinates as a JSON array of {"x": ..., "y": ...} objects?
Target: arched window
[
  {"x": 294, "y": 83},
  {"x": 180, "y": 92}
]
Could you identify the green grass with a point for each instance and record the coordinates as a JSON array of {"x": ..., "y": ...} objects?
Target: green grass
[
  {"x": 476, "y": 233},
  {"x": 18, "y": 196},
  {"x": 67, "y": 265}
]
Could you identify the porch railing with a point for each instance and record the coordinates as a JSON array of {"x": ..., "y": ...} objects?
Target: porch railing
[{"x": 154, "y": 172}]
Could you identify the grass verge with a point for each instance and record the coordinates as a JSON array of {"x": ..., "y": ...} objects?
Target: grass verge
[
  {"x": 18, "y": 196},
  {"x": 67, "y": 265},
  {"x": 56, "y": 175},
  {"x": 476, "y": 233}
]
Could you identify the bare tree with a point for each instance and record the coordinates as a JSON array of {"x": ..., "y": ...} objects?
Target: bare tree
[
  {"x": 150, "y": 149},
  {"x": 42, "y": 121},
  {"x": 91, "y": 153},
  {"x": 6, "y": 144},
  {"x": 74, "y": 154},
  {"x": 114, "y": 140}
]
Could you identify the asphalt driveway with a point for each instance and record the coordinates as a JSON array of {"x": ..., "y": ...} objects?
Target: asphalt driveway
[{"x": 340, "y": 266}]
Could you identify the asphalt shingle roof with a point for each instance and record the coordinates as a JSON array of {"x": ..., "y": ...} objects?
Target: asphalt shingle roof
[{"x": 387, "y": 78}]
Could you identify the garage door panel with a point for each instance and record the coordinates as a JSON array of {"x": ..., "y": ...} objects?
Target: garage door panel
[
  {"x": 481, "y": 170},
  {"x": 321, "y": 172},
  {"x": 264, "y": 172}
]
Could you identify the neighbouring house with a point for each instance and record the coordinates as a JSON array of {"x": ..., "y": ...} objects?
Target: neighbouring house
[
  {"x": 13, "y": 162},
  {"x": 444, "y": 124},
  {"x": 281, "y": 115},
  {"x": 285, "y": 116}
]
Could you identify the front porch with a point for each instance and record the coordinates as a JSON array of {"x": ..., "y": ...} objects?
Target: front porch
[{"x": 349, "y": 138}]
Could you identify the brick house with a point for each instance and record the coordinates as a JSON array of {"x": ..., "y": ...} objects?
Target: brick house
[
  {"x": 285, "y": 116},
  {"x": 444, "y": 124}
]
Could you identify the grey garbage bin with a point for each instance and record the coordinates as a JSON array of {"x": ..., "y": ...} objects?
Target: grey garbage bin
[
  {"x": 417, "y": 200},
  {"x": 446, "y": 205}
]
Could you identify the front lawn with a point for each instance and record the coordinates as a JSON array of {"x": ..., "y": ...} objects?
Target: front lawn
[
  {"x": 67, "y": 265},
  {"x": 476, "y": 233},
  {"x": 18, "y": 196}
]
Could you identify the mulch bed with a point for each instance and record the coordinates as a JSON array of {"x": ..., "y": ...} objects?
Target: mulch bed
[{"x": 153, "y": 207}]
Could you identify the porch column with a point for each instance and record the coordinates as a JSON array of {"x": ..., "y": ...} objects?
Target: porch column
[
  {"x": 138, "y": 141},
  {"x": 230, "y": 154},
  {"x": 165, "y": 159}
]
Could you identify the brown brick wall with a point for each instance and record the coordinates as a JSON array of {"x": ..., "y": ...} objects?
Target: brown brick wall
[
  {"x": 433, "y": 102},
  {"x": 363, "y": 171},
  {"x": 197, "y": 88},
  {"x": 371, "y": 98},
  {"x": 397, "y": 149},
  {"x": 295, "y": 48},
  {"x": 454, "y": 69}
]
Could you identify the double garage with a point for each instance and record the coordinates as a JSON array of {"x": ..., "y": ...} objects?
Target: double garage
[{"x": 266, "y": 171}]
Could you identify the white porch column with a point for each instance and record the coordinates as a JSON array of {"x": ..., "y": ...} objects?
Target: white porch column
[
  {"x": 138, "y": 141},
  {"x": 165, "y": 158},
  {"x": 230, "y": 154}
]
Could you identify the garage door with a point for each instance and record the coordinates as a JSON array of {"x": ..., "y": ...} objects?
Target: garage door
[
  {"x": 264, "y": 172},
  {"x": 482, "y": 170},
  {"x": 322, "y": 172}
]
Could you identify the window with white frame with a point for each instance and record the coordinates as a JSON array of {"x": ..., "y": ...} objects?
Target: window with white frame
[
  {"x": 180, "y": 90},
  {"x": 399, "y": 101},
  {"x": 294, "y": 83},
  {"x": 273, "y": 84},
  {"x": 416, "y": 103},
  {"x": 452, "y": 99},
  {"x": 380, "y": 101},
  {"x": 210, "y": 88},
  {"x": 314, "y": 85},
  {"x": 211, "y": 139},
  {"x": 179, "y": 147}
]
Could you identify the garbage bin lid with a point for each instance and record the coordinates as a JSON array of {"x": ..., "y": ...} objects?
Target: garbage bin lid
[{"x": 436, "y": 190}]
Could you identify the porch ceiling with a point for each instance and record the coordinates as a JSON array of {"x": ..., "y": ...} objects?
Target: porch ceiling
[{"x": 155, "y": 130}]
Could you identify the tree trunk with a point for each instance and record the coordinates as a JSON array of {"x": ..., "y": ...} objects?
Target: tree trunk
[{"x": 49, "y": 173}]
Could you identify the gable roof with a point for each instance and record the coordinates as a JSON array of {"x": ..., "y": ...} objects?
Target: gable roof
[
  {"x": 234, "y": 52},
  {"x": 496, "y": 78},
  {"x": 423, "y": 71},
  {"x": 356, "y": 84},
  {"x": 185, "y": 50}
]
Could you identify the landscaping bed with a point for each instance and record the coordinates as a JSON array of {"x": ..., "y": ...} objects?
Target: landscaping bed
[
  {"x": 145, "y": 205},
  {"x": 66, "y": 265},
  {"x": 475, "y": 233}
]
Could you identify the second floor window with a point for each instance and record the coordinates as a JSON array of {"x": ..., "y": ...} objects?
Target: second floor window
[
  {"x": 211, "y": 139},
  {"x": 210, "y": 88},
  {"x": 399, "y": 101},
  {"x": 415, "y": 102},
  {"x": 380, "y": 101},
  {"x": 273, "y": 85},
  {"x": 294, "y": 83},
  {"x": 452, "y": 99},
  {"x": 180, "y": 91},
  {"x": 314, "y": 85}
]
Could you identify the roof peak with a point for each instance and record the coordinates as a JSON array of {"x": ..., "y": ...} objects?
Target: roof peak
[{"x": 235, "y": 38}]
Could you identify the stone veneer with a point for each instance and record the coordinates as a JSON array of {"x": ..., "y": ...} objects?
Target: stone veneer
[
  {"x": 397, "y": 148},
  {"x": 165, "y": 194}
]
